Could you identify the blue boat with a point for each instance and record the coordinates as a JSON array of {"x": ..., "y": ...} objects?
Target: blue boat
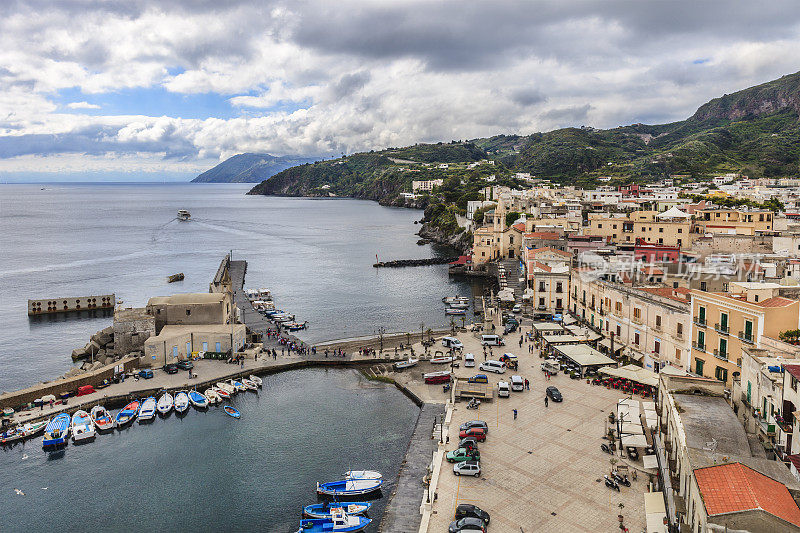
[
  {"x": 323, "y": 510},
  {"x": 339, "y": 522},
  {"x": 231, "y": 411},
  {"x": 198, "y": 400},
  {"x": 349, "y": 487},
  {"x": 56, "y": 431},
  {"x": 128, "y": 413}
]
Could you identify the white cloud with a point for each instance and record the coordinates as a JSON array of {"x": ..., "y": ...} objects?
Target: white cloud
[{"x": 82, "y": 105}]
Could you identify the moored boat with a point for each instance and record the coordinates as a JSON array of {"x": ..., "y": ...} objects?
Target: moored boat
[
  {"x": 363, "y": 474},
  {"x": 238, "y": 386},
  {"x": 82, "y": 426},
  {"x": 34, "y": 428},
  {"x": 249, "y": 385},
  {"x": 453, "y": 311},
  {"x": 455, "y": 300},
  {"x": 198, "y": 400},
  {"x": 165, "y": 403},
  {"x": 458, "y": 305},
  {"x": 349, "y": 487},
  {"x": 323, "y": 510},
  {"x": 12, "y": 435},
  {"x": 339, "y": 522},
  {"x": 294, "y": 326},
  {"x": 227, "y": 387},
  {"x": 405, "y": 364},
  {"x": 222, "y": 393},
  {"x": 101, "y": 418},
  {"x": 211, "y": 394},
  {"x": 257, "y": 380},
  {"x": 184, "y": 215},
  {"x": 128, "y": 413},
  {"x": 57, "y": 431},
  {"x": 230, "y": 411},
  {"x": 181, "y": 402},
  {"x": 148, "y": 410}
]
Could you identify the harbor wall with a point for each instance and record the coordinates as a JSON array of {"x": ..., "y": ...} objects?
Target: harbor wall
[
  {"x": 64, "y": 305},
  {"x": 390, "y": 340}
]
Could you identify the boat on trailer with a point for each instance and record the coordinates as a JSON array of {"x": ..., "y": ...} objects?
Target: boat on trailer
[
  {"x": 441, "y": 360},
  {"x": 323, "y": 510},
  {"x": 339, "y": 522},
  {"x": 436, "y": 377},
  {"x": 82, "y": 426},
  {"x": 102, "y": 418},
  {"x": 400, "y": 365}
]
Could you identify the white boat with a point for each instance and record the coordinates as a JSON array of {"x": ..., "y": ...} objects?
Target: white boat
[
  {"x": 222, "y": 393},
  {"x": 211, "y": 394},
  {"x": 148, "y": 410},
  {"x": 82, "y": 427},
  {"x": 452, "y": 311},
  {"x": 455, "y": 300},
  {"x": 181, "y": 402},
  {"x": 165, "y": 403},
  {"x": 237, "y": 385},
  {"x": 257, "y": 380},
  {"x": 405, "y": 364},
  {"x": 198, "y": 400},
  {"x": 441, "y": 360},
  {"x": 249, "y": 385},
  {"x": 363, "y": 474},
  {"x": 227, "y": 387},
  {"x": 184, "y": 215},
  {"x": 458, "y": 305},
  {"x": 102, "y": 419}
]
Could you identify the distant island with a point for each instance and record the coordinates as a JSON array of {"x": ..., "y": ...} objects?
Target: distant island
[{"x": 250, "y": 168}]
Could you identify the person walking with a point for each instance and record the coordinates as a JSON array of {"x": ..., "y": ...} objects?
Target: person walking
[
  {"x": 527, "y": 384},
  {"x": 546, "y": 401},
  {"x": 515, "y": 414}
]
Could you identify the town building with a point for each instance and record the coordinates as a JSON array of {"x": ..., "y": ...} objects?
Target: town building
[
  {"x": 733, "y": 221},
  {"x": 646, "y": 226},
  {"x": 548, "y": 276},
  {"x": 425, "y": 185}
]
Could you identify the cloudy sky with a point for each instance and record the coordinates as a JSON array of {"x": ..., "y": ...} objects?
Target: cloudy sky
[{"x": 134, "y": 88}]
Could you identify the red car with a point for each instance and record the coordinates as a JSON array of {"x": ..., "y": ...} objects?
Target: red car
[{"x": 478, "y": 433}]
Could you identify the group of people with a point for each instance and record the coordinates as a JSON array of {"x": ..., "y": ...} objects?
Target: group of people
[{"x": 365, "y": 352}]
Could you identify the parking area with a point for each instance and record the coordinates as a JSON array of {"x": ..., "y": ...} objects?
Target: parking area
[{"x": 540, "y": 471}]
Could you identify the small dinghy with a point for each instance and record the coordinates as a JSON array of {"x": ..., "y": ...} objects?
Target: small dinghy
[
  {"x": 362, "y": 474},
  {"x": 148, "y": 410},
  {"x": 452, "y": 311},
  {"x": 339, "y": 522},
  {"x": 181, "y": 402},
  {"x": 211, "y": 394},
  {"x": 400, "y": 365},
  {"x": 232, "y": 412},
  {"x": 323, "y": 510},
  {"x": 257, "y": 380},
  {"x": 165, "y": 404},
  {"x": 441, "y": 360},
  {"x": 238, "y": 386},
  {"x": 198, "y": 400},
  {"x": 249, "y": 385},
  {"x": 127, "y": 414},
  {"x": 82, "y": 426},
  {"x": 227, "y": 387},
  {"x": 56, "y": 431},
  {"x": 222, "y": 393},
  {"x": 101, "y": 418},
  {"x": 349, "y": 487}
]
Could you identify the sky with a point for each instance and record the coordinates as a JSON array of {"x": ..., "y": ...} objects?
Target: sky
[{"x": 153, "y": 90}]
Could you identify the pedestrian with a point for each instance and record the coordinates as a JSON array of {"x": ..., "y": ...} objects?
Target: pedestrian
[
  {"x": 515, "y": 414},
  {"x": 484, "y": 354},
  {"x": 546, "y": 401},
  {"x": 520, "y": 342},
  {"x": 527, "y": 384},
  {"x": 242, "y": 361}
]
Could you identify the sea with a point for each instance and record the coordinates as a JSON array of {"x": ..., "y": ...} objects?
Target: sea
[{"x": 208, "y": 472}]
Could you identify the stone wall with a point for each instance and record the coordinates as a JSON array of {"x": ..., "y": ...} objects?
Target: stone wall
[
  {"x": 132, "y": 327},
  {"x": 732, "y": 244}
]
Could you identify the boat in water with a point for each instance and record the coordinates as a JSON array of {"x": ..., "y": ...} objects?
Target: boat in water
[
  {"x": 323, "y": 510},
  {"x": 211, "y": 394},
  {"x": 458, "y": 305},
  {"x": 57, "y": 431},
  {"x": 198, "y": 400},
  {"x": 222, "y": 393},
  {"x": 22, "y": 431},
  {"x": 181, "y": 402},
  {"x": 249, "y": 385},
  {"x": 128, "y": 413},
  {"x": 165, "y": 403},
  {"x": 400, "y": 365},
  {"x": 257, "y": 380},
  {"x": 230, "y": 411},
  {"x": 449, "y": 300},
  {"x": 238, "y": 386},
  {"x": 184, "y": 215},
  {"x": 82, "y": 426},
  {"x": 102, "y": 418},
  {"x": 294, "y": 326},
  {"x": 349, "y": 487},
  {"x": 227, "y": 387},
  {"x": 339, "y": 522},
  {"x": 148, "y": 410},
  {"x": 363, "y": 474},
  {"x": 452, "y": 311}
]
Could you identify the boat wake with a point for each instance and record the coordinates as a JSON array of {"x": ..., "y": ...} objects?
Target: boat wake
[{"x": 83, "y": 263}]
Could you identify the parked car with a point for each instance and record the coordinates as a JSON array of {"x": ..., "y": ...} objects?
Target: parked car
[
  {"x": 467, "y": 510},
  {"x": 510, "y": 328},
  {"x": 171, "y": 368},
  {"x": 466, "y": 524},
  {"x": 467, "y": 468},
  {"x": 185, "y": 365},
  {"x": 517, "y": 309},
  {"x": 517, "y": 383},
  {"x": 469, "y": 360},
  {"x": 474, "y": 424},
  {"x": 493, "y": 366},
  {"x": 146, "y": 373},
  {"x": 462, "y": 454},
  {"x": 554, "y": 394},
  {"x": 452, "y": 342},
  {"x": 503, "y": 391},
  {"x": 551, "y": 366},
  {"x": 477, "y": 433},
  {"x": 478, "y": 378}
]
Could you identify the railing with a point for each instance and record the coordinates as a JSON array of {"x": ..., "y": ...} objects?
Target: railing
[
  {"x": 700, "y": 321},
  {"x": 656, "y": 327},
  {"x": 637, "y": 320},
  {"x": 748, "y": 338},
  {"x": 724, "y": 329},
  {"x": 678, "y": 335},
  {"x": 767, "y": 428},
  {"x": 701, "y": 347},
  {"x": 721, "y": 355},
  {"x": 541, "y": 307},
  {"x": 583, "y": 301}
]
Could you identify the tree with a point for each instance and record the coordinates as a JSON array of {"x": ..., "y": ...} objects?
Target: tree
[{"x": 511, "y": 217}]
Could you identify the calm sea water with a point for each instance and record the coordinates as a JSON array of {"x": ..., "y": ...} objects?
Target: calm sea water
[
  {"x": 315, "y": 254},
  {"x": 209, "y": 472}
]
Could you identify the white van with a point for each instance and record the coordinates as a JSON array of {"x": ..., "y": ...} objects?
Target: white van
[
  {"x": 452, "y": 342},
  {"x": 492, "y": 340},
  {"x": 469, "y": 360},
  {"x": 502, "y": 389},
  {"x": 517, "y": 383},
  {"x": 493, "y": 366}
]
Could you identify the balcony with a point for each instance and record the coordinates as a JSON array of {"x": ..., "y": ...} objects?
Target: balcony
[
  {"x": 583, "y": 302},
  {"x": 637, "y": 320},
  {"x": 541, "y": 307},
  {"x": 720, "y": 355},
  {"x": 766, "y": 428},
  {"x": 679, "y": 335},
  {"x": 701, "y": 347},
  {"x": 723, "y": 329},
  {"x": 656, "y": 327},
  {"x": 745, "y": 337},
  {"x": 699, "y": 321}
]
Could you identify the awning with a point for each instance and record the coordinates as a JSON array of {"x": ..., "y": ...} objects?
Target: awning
[
  {"x": 632, "y": 428},
  {"x": 650, "y": 461},
  {"x": 633, "y": 373},
  {"x": 637, "y": 441},
  {"x": 606, "y": 343}
]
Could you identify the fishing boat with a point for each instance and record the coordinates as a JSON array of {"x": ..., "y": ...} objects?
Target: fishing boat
[
  {"x": 12, "y": 435},
  {"x": 400, "y": 365},
  {"x": 165, "y": 403},
  {"x": 181, "y": 402},
  {"x": 128, "y": 413},
  {"x": 323, "y": 510},
  {"x": 82, "y": 426},
  {"x": 349, "y": 487},
  {"x": 57, "y": 431},
  {"x": 436, "y": 377},
  {"x": 227, "y": 387},
  {"x": 198, "y": 400},
  {"x": 294, "y": 326},
  {"x": 455, "y": 300},
  {"x": 339, "y": 522},
  {"x": 230, "y": 411},
  {"x": 283, "y": 317},
  {"x": 238, "y": 385},
  {"x": 184, "y": 215},
  {"x": 148, "y": 410},
  {"x": 222, "y": 393},
  {"x": 211, "y": 394},
  {"x": 452, "y": 311},
  {"x": 257, "y": 380},
  {"x": 363, "y": 474},
  {"x": 441, "y": 360},
  {"x": 101, "y": 418},
  {"x": 458, "y": 305},
  {"x": 249, "y": 385}
]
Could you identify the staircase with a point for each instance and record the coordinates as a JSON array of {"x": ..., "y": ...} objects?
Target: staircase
[{"x": 508, "y": 276}]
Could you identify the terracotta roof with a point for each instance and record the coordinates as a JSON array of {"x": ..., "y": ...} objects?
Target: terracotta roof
[
  {"x": 734, "y": 487},
  {"x": 545, "y": 235},
  {"x": 777, "y": 301},
  {"x": 680, "y": 294},
  {"x": 542, "y": 266},
  {"x": 519, "y": 226},
  {"x": 652, "y": 270},
  {"x": 795, "y": 371},
  {"x": 537, "y": 251}
]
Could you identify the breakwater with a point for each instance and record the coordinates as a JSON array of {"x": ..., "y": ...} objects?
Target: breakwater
[{"x": 398, "y": 263}]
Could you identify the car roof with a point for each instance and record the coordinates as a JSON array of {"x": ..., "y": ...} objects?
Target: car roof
[{"x": 516, "y": 378}]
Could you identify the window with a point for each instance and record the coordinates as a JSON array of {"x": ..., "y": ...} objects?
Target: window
[
  {"x": 599, "y": 226},
  {"x": 541, "y": 286},
  {"x": 636, "y": 339},
  {"x": 680, "y": 230},
  {"x": 559, "y": 304},
  {"x": 658, "y": 321},
  {"x": 592, "y": 300},
  {"x": 615, "y": 226},
  {"x": 637, "y": 314},
  {"x": 756, "y": 297},
  {"x": 674, "y": 284},
  {"x": 559, "y": 287},
  {"x": 723, "y": 321},
  {"x": 723, "y": 348},
  {"x": 680, "y": 329},
  {"x": 619, "y": 330},
  {"x": 541, "y": 302},
  {"x": 721, "y": 373},
  {"x": 701, "y": 314},
  {"x": 618, "y": 307},
  {"x": 657, "y": 347},
  {"x": 661, "y": 230},
  {"x": 703, "y": 286},
  {"x": 701, "y": 340},
  {"x": 698, "y": 366},
  {"x": 794, "y": 383},
  {"x": 761, "y": 218},
  {"x": 677, "y": 354},
  {"x": 511, "y": 239},
  {"x": 188, "y": 312}
]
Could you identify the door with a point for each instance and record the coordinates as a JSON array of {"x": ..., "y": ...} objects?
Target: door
[
  {"x": 188, "y": 349},
  {"x": 723, "y": 321},
  {"x": 205, "y": 346},
  {"x": 748, "y": 330},
  {"x": 175, "y": 352},
  {"x": 219, "y": 347}
]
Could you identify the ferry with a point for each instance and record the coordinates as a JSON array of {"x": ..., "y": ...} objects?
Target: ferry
[{"x": 184, "y": 215}]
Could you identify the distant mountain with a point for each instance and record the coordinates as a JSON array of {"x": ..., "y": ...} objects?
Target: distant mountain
[{"x": 250, "y": 168}]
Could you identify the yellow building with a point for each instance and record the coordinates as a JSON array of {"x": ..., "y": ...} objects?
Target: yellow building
[
  {"x": 494, "y": 240},
  {"x": 548, "y": 276},
  {"x": 651, "y": 226},
  {"x": 733, "y": 221},
  {"x": 723, "y": 323}
]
